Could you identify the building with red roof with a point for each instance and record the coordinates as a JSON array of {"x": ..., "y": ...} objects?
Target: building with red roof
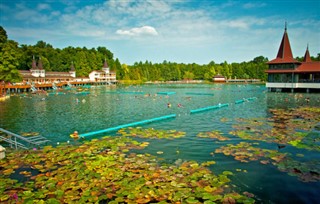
[
  {"x": 37, "y": 75},
  {"x": 287, "y": 74}
]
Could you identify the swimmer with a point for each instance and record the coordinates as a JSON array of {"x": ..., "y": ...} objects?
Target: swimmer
[
  {"x": 75, "y": 135},
  {"x": 307, "y": 99},
  {"x": 179, "y": 105},
  {"x": 169, "y": 105}
]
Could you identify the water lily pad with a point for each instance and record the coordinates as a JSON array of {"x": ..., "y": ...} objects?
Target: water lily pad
[
  {"x": 151, "y": 133},
  {"x": 213, "y": 134}
]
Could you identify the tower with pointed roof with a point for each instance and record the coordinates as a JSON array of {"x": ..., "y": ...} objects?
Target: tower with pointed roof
[
  {"x": 34, "y": 63},
  {"x": 285, "y": 73},
  {"x": 105, "y": 67},
  {"x": 307, "y": 57},
  {"x": 72, "y": 71},
  {"x": 37, "y": 71}
]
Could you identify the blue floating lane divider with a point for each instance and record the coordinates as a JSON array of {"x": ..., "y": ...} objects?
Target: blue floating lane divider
[
  {"x": 251, "y": 99},
  {"x": 245, "y": 100},
  {"x": 130, "y": 92},
  {"x": 239, "y": 101},
  {"x": 209, "y": 108},
  {"x": 128, "y": 125},
  {"x": 166, "y": 93},
  {"x": 202, "y": 94},
  {"x": 56, "y": 93}
]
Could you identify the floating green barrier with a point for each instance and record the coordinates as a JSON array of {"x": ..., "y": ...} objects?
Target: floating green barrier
[
  {"x": 166, "y": 93},
  {"x": 245, "y": 100},
  {"x": 201, "y": 94},
  {"x": 56, "y": 93},
  {"x": 129, "y": 92},
  {"x": 239, "y": 101},
  {"x": 209, "y": 108},
  {"x": 128, "y": 125}
]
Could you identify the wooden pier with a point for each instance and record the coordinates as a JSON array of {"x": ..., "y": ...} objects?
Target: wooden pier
[
  {"x": 243, "y": 81},
  {"x": 17, "y": 141},
  {"x": 20, "y": 87}
]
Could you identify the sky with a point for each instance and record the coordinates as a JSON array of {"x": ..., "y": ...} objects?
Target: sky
[{"x": 191, "y": 31}]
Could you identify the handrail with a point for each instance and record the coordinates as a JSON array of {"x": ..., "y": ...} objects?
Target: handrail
[
  {"x": 11, "y": 142},
  {"x": 36, "y": 140},
  {"x": 13, "y": 134}
]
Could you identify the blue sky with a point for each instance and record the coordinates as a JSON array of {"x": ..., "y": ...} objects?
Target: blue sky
[{"x": 173, "y": 30}]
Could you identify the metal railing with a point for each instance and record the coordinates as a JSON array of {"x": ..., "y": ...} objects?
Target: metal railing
[{"x": 17, "y": 141}]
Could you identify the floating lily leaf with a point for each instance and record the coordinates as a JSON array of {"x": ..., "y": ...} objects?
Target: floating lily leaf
[
  {"x": 213, "y": 134},
  {"x": 151, "y": 133},
  {"x": 290, "y": 126},
  {"x": 208, "y": 163},
  {"x": 306, "y": 171},
  {"x": 104, "y": 170},
  {"x": 28, "y": 134}
]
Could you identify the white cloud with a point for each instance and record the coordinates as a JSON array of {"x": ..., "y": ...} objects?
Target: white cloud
[
  {"x": 43, "y": 7},
  {"x": 202, "y": 29},
  {"x": 238, "y": 23},
  {"x": 139, "y": 31},
  {"x": 253, "y": 5}
]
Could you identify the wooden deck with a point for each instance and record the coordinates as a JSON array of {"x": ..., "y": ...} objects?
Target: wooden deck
[
  {"x": 243, "y": 80},
  {"x": 17, "y": 88}
]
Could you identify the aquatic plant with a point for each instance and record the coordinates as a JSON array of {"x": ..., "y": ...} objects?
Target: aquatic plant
[
  {"x": 105, "y": 171},
  {"x": 246, "y": 152},
  {"x": 215, "y": 134},
  {"x": 151, "y": 133},
  {"x": 285, "y": 127}
]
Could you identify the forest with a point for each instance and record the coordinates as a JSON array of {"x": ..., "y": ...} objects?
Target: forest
[{"x": 14, "y": 57}]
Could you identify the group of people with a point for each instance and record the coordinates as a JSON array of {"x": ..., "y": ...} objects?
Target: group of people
[{"x": 78, "y": 101}]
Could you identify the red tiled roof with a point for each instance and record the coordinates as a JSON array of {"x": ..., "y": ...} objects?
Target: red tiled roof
[
  {"x": 284, "y": 53},
  {"x": 283, "y": 61},
  {"x": 309, "y": 67},
  {"x": 304, "y": 67}
]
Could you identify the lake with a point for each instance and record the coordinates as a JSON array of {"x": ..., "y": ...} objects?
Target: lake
[{"x": 97, "y": 108}]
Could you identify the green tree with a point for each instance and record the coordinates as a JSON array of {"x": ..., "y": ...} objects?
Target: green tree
[
  {"x": 3, "y": 36},
  {"x": 125, "y": 73},
  {"x": 9, "y": 56},
  {"x": 188, "y": 75}
]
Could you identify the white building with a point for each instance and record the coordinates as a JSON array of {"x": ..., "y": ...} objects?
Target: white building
[
  {"x": 38, "y": 75},
  {"x": 104, "y": 75}
]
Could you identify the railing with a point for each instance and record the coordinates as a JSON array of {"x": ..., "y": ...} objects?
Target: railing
[{"x": 17, "y": 141}]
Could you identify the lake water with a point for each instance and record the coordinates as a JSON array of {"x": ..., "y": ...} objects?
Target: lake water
[{"x": 57, "y": 116}]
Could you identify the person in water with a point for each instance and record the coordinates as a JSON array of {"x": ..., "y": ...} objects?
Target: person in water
[
  {"x": 75, "y": 135},
  {"x": 169, "y": 105}
]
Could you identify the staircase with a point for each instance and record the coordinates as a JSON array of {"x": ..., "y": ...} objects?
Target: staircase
[{"x": 18, "y": 141}]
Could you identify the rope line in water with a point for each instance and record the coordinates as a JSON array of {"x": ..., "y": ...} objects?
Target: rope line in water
[
  {"x": 128, "y": 125},
  {"x": 209, "y": 108}
]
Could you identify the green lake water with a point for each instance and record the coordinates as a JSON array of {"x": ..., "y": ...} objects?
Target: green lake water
[{"x": 57, "y": 116}]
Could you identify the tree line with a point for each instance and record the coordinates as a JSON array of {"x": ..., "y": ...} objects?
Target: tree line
[{"x": 14, "y": 57}]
